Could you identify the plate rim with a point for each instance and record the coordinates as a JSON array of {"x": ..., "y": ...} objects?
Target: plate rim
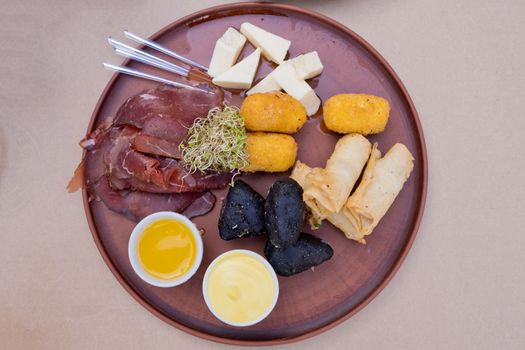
[{"x": 402, "y": 254}]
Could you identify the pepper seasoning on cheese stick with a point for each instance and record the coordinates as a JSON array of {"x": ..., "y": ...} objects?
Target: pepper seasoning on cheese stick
[{"x": 382, "y": 181}]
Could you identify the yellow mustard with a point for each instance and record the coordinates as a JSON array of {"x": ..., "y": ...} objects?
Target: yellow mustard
[
  {"x": 167, "y": 249},
  {"x": 240, "y": 288}
]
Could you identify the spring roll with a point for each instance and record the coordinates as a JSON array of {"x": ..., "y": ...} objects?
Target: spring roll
[
  {"x": 326, "y": 190},
  {"x": 382, "y": 181},
  {"x": 299, "y": 174}
]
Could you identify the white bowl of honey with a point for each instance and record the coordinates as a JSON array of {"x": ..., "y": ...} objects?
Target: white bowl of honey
[{"x": 165, "y": 249}]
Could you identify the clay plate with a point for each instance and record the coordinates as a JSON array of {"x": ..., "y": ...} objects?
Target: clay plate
[{"x": 316, "y": 300}]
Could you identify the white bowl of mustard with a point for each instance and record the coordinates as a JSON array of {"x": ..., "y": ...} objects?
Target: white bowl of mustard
[
  {"x": 165, "y": 249},
  {"x": 240, "y": 288}
]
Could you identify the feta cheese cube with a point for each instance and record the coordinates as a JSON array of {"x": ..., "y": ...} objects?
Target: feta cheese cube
[
  {"x": 273, "y": 47},
  {"x": 241, "y": 75},
  {"x": 227, "y": 50},
  {"x": 286, "y": 76}
]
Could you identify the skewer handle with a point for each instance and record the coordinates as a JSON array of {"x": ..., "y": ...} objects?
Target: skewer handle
[{"x": 136, "y": 73}]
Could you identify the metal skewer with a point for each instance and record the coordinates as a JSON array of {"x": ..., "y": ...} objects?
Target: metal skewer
[
  {"x": 145, "y": 57},
  {"x": 163, "y": 49},
  {"x": 146, "y": 60},
  {"x": 136, "y": 73}
]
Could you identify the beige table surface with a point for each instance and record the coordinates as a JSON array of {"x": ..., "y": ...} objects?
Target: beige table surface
[{"x": 462, "y": 285}]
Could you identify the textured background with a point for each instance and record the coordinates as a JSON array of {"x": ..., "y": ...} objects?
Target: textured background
[{"x": 462, "y": 285}]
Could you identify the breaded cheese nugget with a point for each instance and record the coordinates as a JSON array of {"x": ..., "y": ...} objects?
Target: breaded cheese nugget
[
  {"x": 356, "y": 113},
  {"x": 273, "y": 112},
  {"x": 270, "y": 152}
]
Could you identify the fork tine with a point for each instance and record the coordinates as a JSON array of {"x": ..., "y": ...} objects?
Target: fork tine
[{"x": 163, "y": 49}]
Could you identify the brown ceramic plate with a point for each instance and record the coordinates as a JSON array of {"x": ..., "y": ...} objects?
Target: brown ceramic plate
[{"x": 318, "y": 299}]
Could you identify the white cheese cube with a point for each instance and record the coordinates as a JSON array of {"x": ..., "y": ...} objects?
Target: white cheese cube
[
  {"x": 308, "y": 65},
  {"x": 286, "y": 76},
  {"x": 268, "y": 84},
  {"x": 241, "y": 75},
  {"x": 273, "y": 47},
  {"x": 227, "y": 50},
  {"x": 309, "y": 100}
]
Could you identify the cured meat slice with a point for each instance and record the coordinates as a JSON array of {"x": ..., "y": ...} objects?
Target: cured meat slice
[
  {"x": 129, "y": 169},
  {"x": 181, "y": 182},
  {"x": 132, "y": 162},
  {"x": 179, "y": 104},
  {"x": 136, "y": 205},
  {"x": 155, "y": 146},
  {"x": 200, "y": 206},
  {"x": 169, "y": 129}
]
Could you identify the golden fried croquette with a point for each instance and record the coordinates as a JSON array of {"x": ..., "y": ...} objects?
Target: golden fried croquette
[
  {"x": 270, "y": 152},
  {"x": 356, "y": 113},
  {"x": 273, "y": 112}
]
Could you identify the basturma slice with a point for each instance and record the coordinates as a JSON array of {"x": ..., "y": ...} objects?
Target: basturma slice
[
  {"x": 180, "y": 104},
  {"x": 136, "y": 205},
  {"x": 132, "y": 161}
]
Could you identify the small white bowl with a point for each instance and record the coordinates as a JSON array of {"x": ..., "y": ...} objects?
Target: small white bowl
[
  {"x": 133, "y": 251},
  {"x": 268, "y": 267}
]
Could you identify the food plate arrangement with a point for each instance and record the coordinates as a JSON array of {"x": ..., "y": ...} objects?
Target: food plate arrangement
[{"x": 301, "y": 161}]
